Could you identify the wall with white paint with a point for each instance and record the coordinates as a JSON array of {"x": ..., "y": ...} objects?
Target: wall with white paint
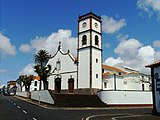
[
  {"x": 126, "y": 97},
  {"x": 42, "y": 96},
  {"x": 23, "y": 94}
]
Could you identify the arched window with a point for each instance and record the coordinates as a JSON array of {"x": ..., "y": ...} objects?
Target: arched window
[
  {"x": 84, "y": 40},
  {"x": 96, "y": 40}
]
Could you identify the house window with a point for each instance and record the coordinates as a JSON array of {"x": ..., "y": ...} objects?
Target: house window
[
  {"x": 142, "y": 87},
  {"x": 96, "y": 60},
  {"x": 35, "y": 83},
  {"x": 35, "y": 89},
  {"x": 105, "y": 84},
  {"x": 96, "y": 40},
  {"x": 84, "y": 40},
  {"x": 96, "y": 75}
]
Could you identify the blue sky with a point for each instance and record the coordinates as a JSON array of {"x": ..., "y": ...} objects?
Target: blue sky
[{"x": 131, "y": 31}]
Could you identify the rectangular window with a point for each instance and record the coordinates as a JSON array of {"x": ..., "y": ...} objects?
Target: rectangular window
[
  {"x": 35, "y": 83},
  {"x": 102, "y": 70},
  {"x": 96, "y": 60},
  {"x": 105, "y": 84},
  {"x": 96, "y": 75}
]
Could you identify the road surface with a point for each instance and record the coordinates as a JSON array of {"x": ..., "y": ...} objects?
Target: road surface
[{"x": 12, "y": 108}]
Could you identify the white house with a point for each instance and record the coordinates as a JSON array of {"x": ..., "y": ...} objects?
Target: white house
[{"x": 123, "y": 78}]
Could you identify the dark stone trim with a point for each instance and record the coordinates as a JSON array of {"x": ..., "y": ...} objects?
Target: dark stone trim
[
  {"x": 89, "y": 15},
  {"x": 89, "y": 31},
  {"x": 89, "y": 47},
  {"x": 65, "y": 72},
  {"x": 68, "y": 53},
  {"x": 90, "y": 57}
]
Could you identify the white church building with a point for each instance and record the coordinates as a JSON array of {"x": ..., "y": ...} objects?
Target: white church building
[{"x": 86, "y": 67}]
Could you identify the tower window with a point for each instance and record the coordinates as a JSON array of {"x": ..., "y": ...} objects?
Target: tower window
[
  {"x": 96, "y": 60},
  {"x": 96, "y": 40},
  {"x": 102, "y": 70},
  {"x": 96, "y": 75},
  {"x": 84, "y": 40}
]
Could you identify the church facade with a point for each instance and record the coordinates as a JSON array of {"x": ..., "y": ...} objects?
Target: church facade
[{"x": 85, "y": 69}]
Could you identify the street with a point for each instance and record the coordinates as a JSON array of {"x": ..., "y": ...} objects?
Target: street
[{"x": 12, "y": 108}]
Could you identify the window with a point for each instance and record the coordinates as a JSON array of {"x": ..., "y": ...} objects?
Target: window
[
  {"x": 102, "y": 70},
  {"x": 35, "y": 83},
  {"x": 84, "y": 40},
  {"x": 96, "y": 40},
  {"x": 35, "y": 89},
  {"x": 105, "y": 84},
  {"x": 142, "y": 87},
  {"x": 58, "y": 64},
  {"x": 96, "y": 60},
  {"x": 96, "y": 75}
]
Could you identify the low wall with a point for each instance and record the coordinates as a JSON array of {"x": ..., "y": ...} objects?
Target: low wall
[
  {"x": 42, "y": 96},
  {"x": 126, "y": 97},
  {"x": 23, "y": 94}
]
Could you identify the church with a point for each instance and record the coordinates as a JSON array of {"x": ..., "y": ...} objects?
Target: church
[{"x": 85, "y": 69}]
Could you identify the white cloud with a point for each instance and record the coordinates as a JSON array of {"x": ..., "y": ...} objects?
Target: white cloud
[
  {"x": 50, "y": 43},
  {"x": 156, "y": 43},
  {"x": 150, "y": 7},
  {"x": 128, "y": 48},
  {"x": 25, "y": 48},
  {"x": 110, "y": 26},
  {"x": 28, "y": 70},
  {"x": 6, "y": 48},
  {"x": 134, "y": 54},
  {"x": 113, "y": 61}
]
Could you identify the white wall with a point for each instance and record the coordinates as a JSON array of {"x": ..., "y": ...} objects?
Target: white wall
[
  {"x": 84, "y": 69},
  {"x": 96, "y": 69},
  {"x": 43, "y": 96},
  {"x": 126, "y": 82},
  {"x": 22, "y": 94},
  {"x": 125, "y": 97}
]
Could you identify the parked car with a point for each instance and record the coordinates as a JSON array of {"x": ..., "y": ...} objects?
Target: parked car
[{"x": 11, "y": 93}]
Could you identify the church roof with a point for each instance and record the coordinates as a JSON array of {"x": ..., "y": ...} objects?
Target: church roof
[
  {"x": 88, "y": 15},
  {"x": 36, "y": 78},
  {"x": 156, "y": 63},
  {"x": 112, "y": 68}
]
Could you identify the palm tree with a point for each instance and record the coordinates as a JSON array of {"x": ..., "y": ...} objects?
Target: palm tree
[
  {"x": 41, "y": 59},
  {"x": 26, "y": 81}
]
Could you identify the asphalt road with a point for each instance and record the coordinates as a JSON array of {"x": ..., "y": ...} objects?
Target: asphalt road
[{"x": 12, "y": 108}]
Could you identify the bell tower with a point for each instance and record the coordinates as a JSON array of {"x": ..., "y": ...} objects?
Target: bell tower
[{"x": 89, "y": 51}]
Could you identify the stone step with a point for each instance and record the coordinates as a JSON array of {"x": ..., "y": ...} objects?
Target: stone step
[{"x": 77, "y": 100}]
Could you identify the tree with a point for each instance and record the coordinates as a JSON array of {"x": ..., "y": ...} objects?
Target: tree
[
  {"x": 26, "y": 81},
  {"x": 41, "y": 59}
]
